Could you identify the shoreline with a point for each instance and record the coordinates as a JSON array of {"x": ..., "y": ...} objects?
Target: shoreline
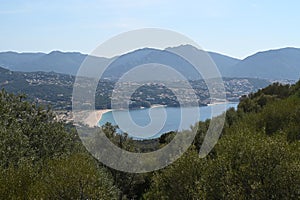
[
  {"x": 94, "y": 117},
  {"x": 157, "y": 106},
  {"x": 219, "y": 103}
]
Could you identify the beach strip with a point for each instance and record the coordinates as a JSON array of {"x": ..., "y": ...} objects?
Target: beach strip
[{"x": 94, "y": 117}]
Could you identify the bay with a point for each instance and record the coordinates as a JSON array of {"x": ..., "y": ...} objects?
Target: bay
[{"x": 142, "y": 118}]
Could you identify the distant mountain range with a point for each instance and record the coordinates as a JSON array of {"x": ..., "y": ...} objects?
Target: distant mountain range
[
  {"x": 279, "y": 64},
  {"x": 56, "y": 61},
  {"x": 273, "y": 64}
]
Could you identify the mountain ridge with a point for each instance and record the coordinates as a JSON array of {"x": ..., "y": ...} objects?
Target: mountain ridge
[{"x": 283, "y": 63}]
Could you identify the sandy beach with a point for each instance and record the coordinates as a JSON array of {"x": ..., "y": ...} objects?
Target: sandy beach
[
  {"x": 94, "y": 117},
  {"x": 217, "y": 103},
  {"x": 157, "y": 106}
]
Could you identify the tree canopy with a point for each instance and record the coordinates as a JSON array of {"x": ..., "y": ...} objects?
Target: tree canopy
[{"x": 257, "y": 156}]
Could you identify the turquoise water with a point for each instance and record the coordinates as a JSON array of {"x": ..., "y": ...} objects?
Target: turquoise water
[{"x": 173, "y": 116}]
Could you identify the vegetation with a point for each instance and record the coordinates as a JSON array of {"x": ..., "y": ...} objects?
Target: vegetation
[
  {"x": 257, "y": 156},
  {"x": 55, "y": 90},
  {"x": 40, "y": 158}
]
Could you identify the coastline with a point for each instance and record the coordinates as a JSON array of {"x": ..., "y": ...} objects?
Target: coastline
[
  {"x": 94, "y": 117},
  {"x": 219, "y": 103},
  {"x": 157, "y": 106}
]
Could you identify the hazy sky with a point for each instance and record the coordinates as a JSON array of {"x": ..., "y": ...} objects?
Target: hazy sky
[{"x": 233, "y": 27}]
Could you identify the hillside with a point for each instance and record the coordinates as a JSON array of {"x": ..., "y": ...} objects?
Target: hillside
[
  {"x": 69, "y": 62},
  {"x": 257, "y": 156},
  {"x": 50, "y": 88},
  {"x": 223, "y": 62},
  {"x": 274, "y": 64}
]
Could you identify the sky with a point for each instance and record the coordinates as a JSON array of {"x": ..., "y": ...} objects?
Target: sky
[{"x": 232, "y": 27}]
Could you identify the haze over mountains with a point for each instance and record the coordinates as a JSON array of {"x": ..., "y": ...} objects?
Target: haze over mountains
[
  {"x": 273, "y": 64},
  {"x": 56, "y": 61},
  {"x": 281, "y": 64}
]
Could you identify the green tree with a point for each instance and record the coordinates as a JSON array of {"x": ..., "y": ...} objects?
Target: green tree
[
  {"x": 16, "y": 181},
  {"x": 74, "y": 177},
  {"x": 179, "y": 180},
  {"x": 31, "y": 132},
  {"x": 41, "y": 158}
]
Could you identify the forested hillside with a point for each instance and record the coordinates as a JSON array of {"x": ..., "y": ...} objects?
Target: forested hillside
[
  {"x": 41, "y": 158},
  {"x": 257, "y": 156}
]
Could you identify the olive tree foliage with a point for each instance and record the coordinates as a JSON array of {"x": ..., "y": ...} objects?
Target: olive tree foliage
[
  {"x": 246, "y": 166},
  {"x": 131, "y": 185},
  {"x": 42, "y": 159},
  {"x": 75, "y": 177},
  {"x": 179, "y": 180},
  {"x": 29, "y": 132},
  {"x": 257, "y": 156},
  {"x": 253, "y": 166}
]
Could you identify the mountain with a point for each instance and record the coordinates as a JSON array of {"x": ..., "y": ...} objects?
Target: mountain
[
  {"x": 67, "y": 63},
  {"x": 273, "y": 64},
  {"x": 224, "y": 63},
  {"x": 2, "y": 70},
  {"x": 168, "y": 57},
  {"x": 149, "y": 56},
  {"x": 13, "y": 60}
]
